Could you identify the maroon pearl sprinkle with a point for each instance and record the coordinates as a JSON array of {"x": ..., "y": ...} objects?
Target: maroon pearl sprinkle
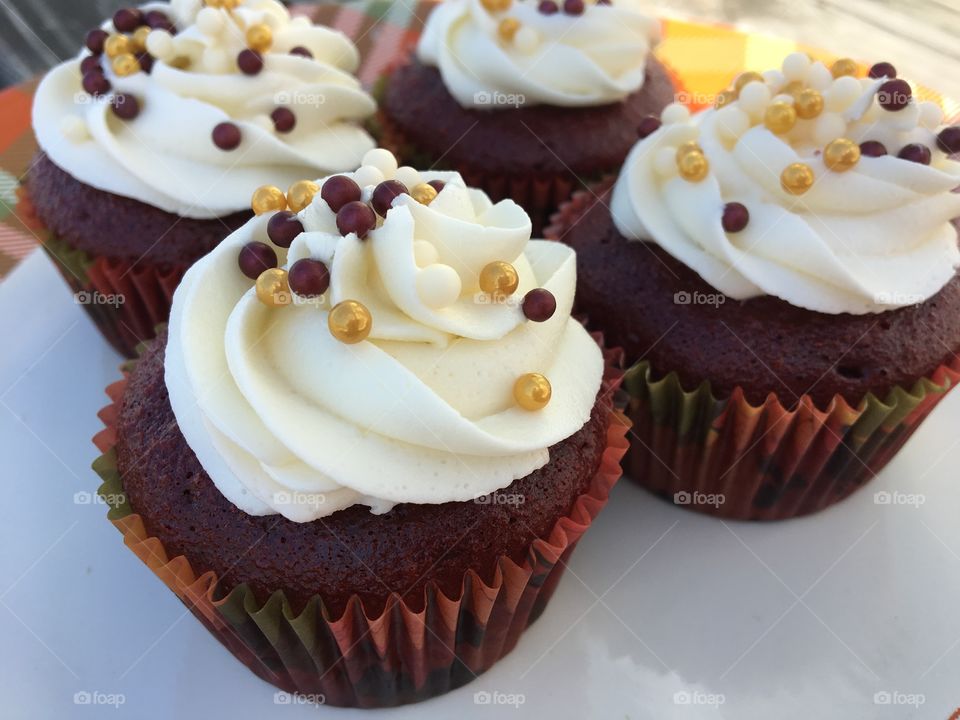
[
  {"x": 894, "y": 95},
  {"x": 96, "y": 83},
  {"x": 146, "y": 61},
  {"x": 250, "y": 62},
  {"x": 604, "y": 2},
  {"x": 283, "y": 120},
  {"x": 283, "y": 228},
  {"x": 90, "y": 63},
  {"x": 302, "y": 52},
  {"x": 573, "y": 7},
  {"x": 735, "y": 217},
  {"x": 949, "y": 140},
  {"x": 157, "y": 20},
  {"x": 308, "y": 277},
  {"x": 916, "y": 152},
  {"x": 226, "y": 136},
  {"x": 383, "y": 195},
  {"x": 548, "y": 7},
  {"x": 125, "y": 106},
  {"x": 356, "y": 217},
  {"x": 881, "y": 70},
  {"x": 338, "y": 191},
  {"x": 95, "y": 40},
  {"x": 127, "y": 19},
  {"x": 255, "y": 257},
  {"x": 437, "y": 185},
  {"x": 649, "y": 125},
  {"x": 539, "y": 305},
  {"x": 873, "y": 148}
]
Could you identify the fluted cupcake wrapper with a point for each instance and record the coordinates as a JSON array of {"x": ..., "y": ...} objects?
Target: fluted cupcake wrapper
[
  {"x": 399, "y": 656},
  {"x": 730, "y": 458},
  {"x": 126, "y": 300}
]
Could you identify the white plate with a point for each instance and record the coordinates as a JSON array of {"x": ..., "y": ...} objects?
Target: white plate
[{"x": 662, "y": 613}]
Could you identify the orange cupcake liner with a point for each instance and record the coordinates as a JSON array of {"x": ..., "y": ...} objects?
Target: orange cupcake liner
[
  {"x": 400, "y": 656},
  {"x": 727, "y": 457}
]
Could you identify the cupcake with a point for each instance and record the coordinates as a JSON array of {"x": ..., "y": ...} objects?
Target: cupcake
[
  {"x": 527, "y": 100},
  {"x": 369, "y": 437},
  {"x": 154, "y": 138},
  {"x": 781, "y": 272}
]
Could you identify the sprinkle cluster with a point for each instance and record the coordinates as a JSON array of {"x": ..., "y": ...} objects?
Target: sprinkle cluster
[
  {"x": 360, "y": 204},
  {"x": 812, "y": 107},
  {"x": 526, "y": 39}
]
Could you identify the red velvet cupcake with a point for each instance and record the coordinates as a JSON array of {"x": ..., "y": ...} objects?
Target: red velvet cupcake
[
  {"x": 369, "y": 438},
  {"x": 153, "y": 140},
  {"x": 782, "y": 274},
  {"x": 528, "y": 100}
]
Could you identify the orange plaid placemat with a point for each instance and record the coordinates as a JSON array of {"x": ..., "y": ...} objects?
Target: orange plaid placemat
[{"x": 706, "y": 57}]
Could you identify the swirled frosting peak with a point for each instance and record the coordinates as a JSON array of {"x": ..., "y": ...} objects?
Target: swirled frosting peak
[
  {"x": 188, "y": 107},
  {"x": 370, "y": 365},
  {"x": 830, "y": 191},
  {"x": 494, "y": 53}
]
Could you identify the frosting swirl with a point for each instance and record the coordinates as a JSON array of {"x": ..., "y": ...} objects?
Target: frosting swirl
[
  {"x": 287, "y": 419},
  {"x": 524, "y": 56},
  {"x": 869, "y": 234},
  {"x": 166, "y": 156}
]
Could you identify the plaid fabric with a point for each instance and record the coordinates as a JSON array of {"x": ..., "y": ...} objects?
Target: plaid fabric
[{"x": 705, "y": 56}]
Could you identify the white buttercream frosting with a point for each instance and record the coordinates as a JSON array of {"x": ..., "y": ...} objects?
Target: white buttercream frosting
[
  {"x": 594, "y": 58},
  {"x": 875, "y": 237},
  {"x": 287, "y": 419},
  {"x": 166, "y": 157}
]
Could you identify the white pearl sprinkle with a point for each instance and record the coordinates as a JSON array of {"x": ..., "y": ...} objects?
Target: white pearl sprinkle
[
  {"x": 827, "y": 128},
  {"x": 679, "y": 134},
  {"x": 209, "y": 21},
  {"x": 160, "y": 44},
  {"x": 931, "y": 115},
  {"x": 527, "y": 39},
  {"x": 383, "y": 160},
  {"x": 906, "y": 119},
  {"x": 795, "y": 66},
  {"x": 74, "y": 129},
  {"x": 425, "y": 253},
  {"x": 732, "y": 122},
  {"x": 788, "y": 99},
  {"x": 774, "y": 79},
  {"x": 674, "y": 113},
  {"x": 408, "y": 176},
  {"x": 665, "y": 162},
  {"x": 842, "y": 94},
  {"x": 438, "y": 285},
  {"x": 368, "y": 175},
  {"x": 754, "y": 98},
  {"x": 819, "y": 77}
]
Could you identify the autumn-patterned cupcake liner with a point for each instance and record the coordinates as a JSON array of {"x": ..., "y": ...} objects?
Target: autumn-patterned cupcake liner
[
  {"x": 727, "y": 457},
  {"x": 399, "y": 656},
  {"x": 126, "y": 300}
]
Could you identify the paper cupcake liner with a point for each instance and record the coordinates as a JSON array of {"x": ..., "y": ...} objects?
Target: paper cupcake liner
[
  {"x": 729, "y": 458},
  {"x": 125, "y": 300},
  {"x": 399, "y": 656}
]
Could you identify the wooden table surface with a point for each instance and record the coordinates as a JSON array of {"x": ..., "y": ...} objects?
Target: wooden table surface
[{"x": 921, "y": 37}]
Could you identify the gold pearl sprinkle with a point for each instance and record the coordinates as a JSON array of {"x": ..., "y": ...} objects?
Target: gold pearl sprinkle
[
  {"x": 693, "y": 166},
  {"x": 725, "y": 98},
  {"x": 793, "y": 88},
  {"x": 230, "y": 4},
  {"x": 116, "y": 45},
  {"x": 273, "y": 288},
  {"x": 350, "y": 322},
  {"x": 138, "y": 40},
  {"x": 744, "y": 79},
  {"x": 691, "y": 146},
  {"x": 780, "y": 117},
  {"x": 508, "y": 28},
  {"x": 844, "y": 67},
  {"x": 841, "y": 155},
  {"x": 268, "y": 198},
  {"x": 532, "y": 391},
  {"x": 424, "y": 193},
  {"x": 259, "y": 37},
  {"x": 126, "y": 64},
  {"x": 301, "y": 193},
  {"x": 495, "y": 6},
  {"x": 499, "y": 278},
  {"x": 808, "y": 104},
  {"x": 797, "y": 178}
]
